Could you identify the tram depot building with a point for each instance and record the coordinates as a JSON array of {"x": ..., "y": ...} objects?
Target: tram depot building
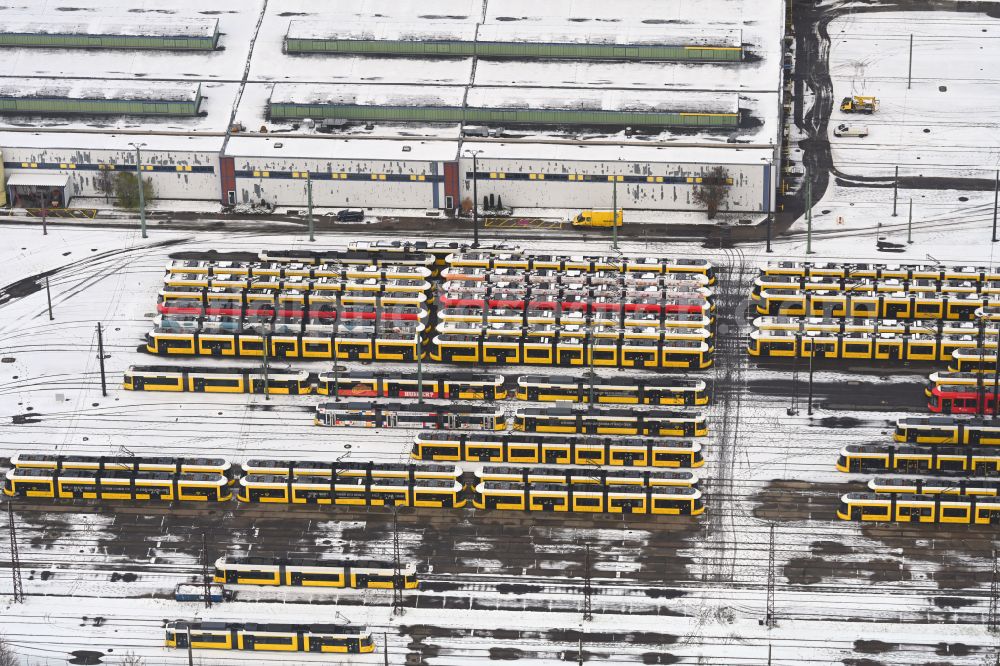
[{"x": 547, "y": 105}]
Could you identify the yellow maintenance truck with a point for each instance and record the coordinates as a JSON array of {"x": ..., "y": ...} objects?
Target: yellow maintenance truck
[
  {"x": 859, "y": 104},
  {"x": 598, "y": 218}
]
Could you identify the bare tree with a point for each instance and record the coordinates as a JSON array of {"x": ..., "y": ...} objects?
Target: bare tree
[
  {"x": 130, "y": 659},
  {"x": 105, "y": 184},
  {"x": 7, "y": 656},
  {"x": 713, "y": 190}
]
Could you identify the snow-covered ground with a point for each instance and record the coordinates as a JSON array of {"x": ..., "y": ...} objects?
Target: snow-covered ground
[
  {"x": 946, "y": 125},
  {"x": 844, "y": 593},
  {"x": 50, "y": 400}
]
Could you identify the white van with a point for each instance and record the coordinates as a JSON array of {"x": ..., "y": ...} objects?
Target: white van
[{"x": 850, "y": 130}]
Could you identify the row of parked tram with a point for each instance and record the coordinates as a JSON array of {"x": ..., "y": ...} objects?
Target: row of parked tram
[
  {"x": 269, "y": 637},
  {"x": 649, "y": 390},
  {"x": 855, "y": 271},
  {"x": 591, "y": 420},
  {"x": 342, "y": 483},
  {"x": 960, "y": 461}
]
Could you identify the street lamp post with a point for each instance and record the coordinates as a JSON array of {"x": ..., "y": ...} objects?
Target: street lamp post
[
  {"x": 475, "y": 195},
  {"x": 309, "y": 203},
  {"x": 142, "y": 196},
  {"x": 614, "y": 213}
]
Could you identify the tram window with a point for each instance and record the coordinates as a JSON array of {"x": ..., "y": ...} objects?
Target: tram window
[
  {"x": 209, "y": 638},
  {"x": 515, "y": 452},
  {"x": 250, "y": 345},
  {"x": 223, "y": 383},
  {"x": 272, "y": 640},
  {"x": 928, "y": 308},
  {"x": 536, "y": 353},
  {"x": 158, "y": 381},
  {"x": 317, "y": 347},
  {"x": 954, "y": 513},
  {"x": 329, "y": 578},
  {"x": 856, "y": 348},
  {"x": 588, "y": 501},
  {"x": 589, "y": 455},
  {"x": 922, "y": 349},
  {"x": 780, "y": 346},
  {"x": 600, "y": 355},
  {"x": 879, "y": 511}
]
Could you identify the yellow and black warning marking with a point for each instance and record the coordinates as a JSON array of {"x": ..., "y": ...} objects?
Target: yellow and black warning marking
[
  {"x": 523, "y": 223},
  {"x": 63, "y": 213}
]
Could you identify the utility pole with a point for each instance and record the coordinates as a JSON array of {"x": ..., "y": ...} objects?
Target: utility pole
[
  {"x": 809, "y": 217},
  {"x": 397, "y": 569},
  {"x": 589, "y": 341},
  {"x": 909, "y": 226},
  {"x": 579, "y": 652},
  {"x": 996, "y": 377},
  {"x": 475, "y": 195},
  {"x": 588, "y": 613},
  {"x": 614, "y": 212},
  {"x": 909, "y": 71},
  {"x": 15, "y": 555},
  {"x": 996, "y": 199},
  {"x": 895, "y": 191},
  {"x": 420, "y": 365},
  {"x": 794, "y": 408},
  {"x": 878, "y": 234},
  {"x": 769, "y": 250},
  {"x": 267, "y": 381},
  {"x": 190, "y": 649},
  {"x": 48, "y": 297},
  {"x": 385, "y": 647},
  {"x": 980, "y": 384},
  {"x": 45, "y": 215},
  {"x": 336, "y": 380},
  {"x": 206, "y": 579},
  {"x": 991, "y": 620},
  {"x": 142, "y": 195},
  {"x": 812, "y": 355},
  {"x": 309, "y": 207},
  {"x": 771, "y": 620},
  {"x": 100, "y": 358}
]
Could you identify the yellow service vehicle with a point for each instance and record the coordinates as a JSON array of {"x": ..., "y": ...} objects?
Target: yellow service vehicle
[
  {"x": 859, "y": 104},
  {"x": 598, "y": 218}
]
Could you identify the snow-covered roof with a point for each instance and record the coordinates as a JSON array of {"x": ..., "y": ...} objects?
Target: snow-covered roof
[
  {"x": 87, "y": 141},
  {"x": 506, "y": 98},
  {"x": 366, "y": 95},
  {"x": 440, "y": 31},
  {"x": 321, "y": 147},
  {"x": 164, "y": 91},
  {"x": 145, "y": 27},
  {"x": 603, "y": 100},
  {"x": 423, "y": 31},
  {"x": 39, "y": 179},
  {"x": 595, "y": 33}
]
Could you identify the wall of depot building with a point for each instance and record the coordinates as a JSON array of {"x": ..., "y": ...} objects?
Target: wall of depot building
[
  {"x": 175, "y": 174},
  {"x": 204, "y": 176},
  {"x": 341, "y": 183},
  {"x": 590, "y": 185},
  {"x": 517, "y": 183}
]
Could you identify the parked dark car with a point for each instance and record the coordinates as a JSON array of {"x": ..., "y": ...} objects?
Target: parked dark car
[{"x": 349, "y": 215}]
